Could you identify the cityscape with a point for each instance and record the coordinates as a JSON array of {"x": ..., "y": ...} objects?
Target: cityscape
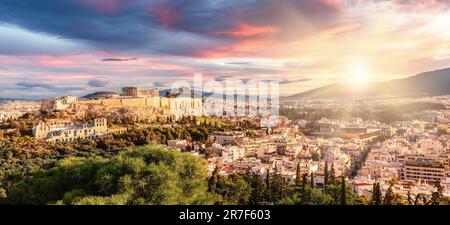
[{"x": 329, "y": 102}]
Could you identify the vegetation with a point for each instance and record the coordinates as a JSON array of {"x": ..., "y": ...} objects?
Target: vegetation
[{"x": 144, "y": 175}]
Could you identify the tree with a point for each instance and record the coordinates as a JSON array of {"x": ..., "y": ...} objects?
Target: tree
[
  {"x": 343, "y": 192},
  {"x": 417, "y": 199},
  {"x": 298, "y": 179},
  {"x": 389, "y": 197},
  {"x": 304, "y": 196},
  {"x": 212, "y": 182},
  {"x": 312, "y": 180},
  {"x": 437, "y": 195},
  {"x": 144, "y": 175},
  {"x": 376, "y": 194},
  {"x": 258, "y": 189},
  {"x": 234, "y": 189},
  {"x": 325, "y": 174},
  {"x": 304, "y": 182},
  {"x": 277, "y": 186},
  {"x": 410, "y": 200},
  {"x": 268, "y": 186},
  {"x": 332, "y": 175}
]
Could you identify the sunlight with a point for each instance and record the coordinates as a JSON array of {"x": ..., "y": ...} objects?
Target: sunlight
[{"x": 359, "y": 71}]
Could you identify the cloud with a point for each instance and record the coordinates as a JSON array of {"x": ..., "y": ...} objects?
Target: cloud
[
  {"x": 222, "y": 78},
  {"x": 166, "y": 14},
  {"x": 285, "y": 81},
  {"x": 63, "y": 42},
  {"x": 158, "y": 84},
  {"x": 118, "y": 59},
  {"x": 18, "y": 41},
  {"x": 49, "y": 87},
  {"x": 244, "y": 30},
  {"x": 97, "y": 83},
  {"x": 180, "y": 27}
]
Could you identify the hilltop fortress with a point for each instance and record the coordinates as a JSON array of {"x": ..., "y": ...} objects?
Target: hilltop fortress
[
  {"x": 139, "y": 104},
  {"x": 131, "y": 97}
]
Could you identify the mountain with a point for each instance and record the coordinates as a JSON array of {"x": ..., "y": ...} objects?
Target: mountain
[
  {"x": 183, "y": 90},
  {"x": 424, "y": 84},
  {"x": 100, "y": 94},
  {"x": 13, "y": 99}
]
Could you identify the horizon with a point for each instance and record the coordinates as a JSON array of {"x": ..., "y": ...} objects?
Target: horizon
[
  {"x": 118, "y": 89},
  {"x": 81, "y": 47}
]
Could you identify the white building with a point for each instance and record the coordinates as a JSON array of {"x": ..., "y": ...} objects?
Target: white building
[{"x": 60, "y": 130}]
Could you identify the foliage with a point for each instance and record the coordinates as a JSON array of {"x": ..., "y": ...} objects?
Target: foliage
[{"x": 144, "y": 175}]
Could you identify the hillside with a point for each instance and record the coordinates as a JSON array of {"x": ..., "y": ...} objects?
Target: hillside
[
  {"x": 99, "y": 94},
  {"x": 428, "y": 83}
]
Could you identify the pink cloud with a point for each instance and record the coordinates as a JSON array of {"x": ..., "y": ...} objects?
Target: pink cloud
[
  {"x": 111, "y": 7},
  {"x": 166, "y": 15},
  {"x": 244, "y": 30}
]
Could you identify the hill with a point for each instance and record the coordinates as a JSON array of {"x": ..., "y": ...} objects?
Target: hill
[
  {"x": 424, "y": 84},
  {"x": 100, "y": 94}
]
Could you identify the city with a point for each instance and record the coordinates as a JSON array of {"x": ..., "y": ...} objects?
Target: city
[
  {"x": 225, "y": 111},
  {"x": 407, "y": 157}
]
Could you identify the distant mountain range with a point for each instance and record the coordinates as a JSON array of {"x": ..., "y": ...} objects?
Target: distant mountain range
[
  {"x": 197, "y": 94},
  {"x": 100, "y": 94},
  {"x": 424, "y": 84},
  {"x": 13, "y": 99}
]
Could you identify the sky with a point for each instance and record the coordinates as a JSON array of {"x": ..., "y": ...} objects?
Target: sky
[{"x": 53, "y": 48}]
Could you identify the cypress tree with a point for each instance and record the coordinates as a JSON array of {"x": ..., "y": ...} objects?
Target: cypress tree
[
  {"x": 258, "y": 189},
  {"x": 376, "y": 194},
  {"x": 304, "y": 182},
  {"x": 343, "y": 192},
  {"x": 268, "y": 187},
  {"x": 298, "y": 177},
  {"x": 303, "y": 189},
  {"x": 389, "y": 197},
  {"x": 325, "y": 174},
  {"x": 212, "y": 182},
  {"x": 332, "y": 175},
  {"x": 277, "y": 185}
]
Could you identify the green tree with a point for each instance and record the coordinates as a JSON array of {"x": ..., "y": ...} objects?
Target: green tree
[
  {"x": 268, "y": 186},
  {"x": 325, "y": 174},
  {"x": 409, "y": 198},
  {"x": 144, "y": 175},
  {"x": 277, "y": 186},
  {"x": 234, "y": 189},
  {"x": 343, "y": 192},
  {"x": 298, "y": 179},
  {"x": 437, "y": 195},
  {"x": 258, "y": 189},
  {"x": 376, "y": 194},
  {"x": 212, "y": 182},
  {"x": 389, "y": 197},
  {"x": 332, "y": 175}
]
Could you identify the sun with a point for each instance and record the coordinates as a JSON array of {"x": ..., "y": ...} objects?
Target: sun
[{"x": 359, "y": 71}]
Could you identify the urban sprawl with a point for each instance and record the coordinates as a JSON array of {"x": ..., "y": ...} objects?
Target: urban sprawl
[{"x": 408, "y": 156}]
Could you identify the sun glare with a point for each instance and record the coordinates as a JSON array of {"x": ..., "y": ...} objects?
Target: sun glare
[{"x": 359, "y": 72}]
